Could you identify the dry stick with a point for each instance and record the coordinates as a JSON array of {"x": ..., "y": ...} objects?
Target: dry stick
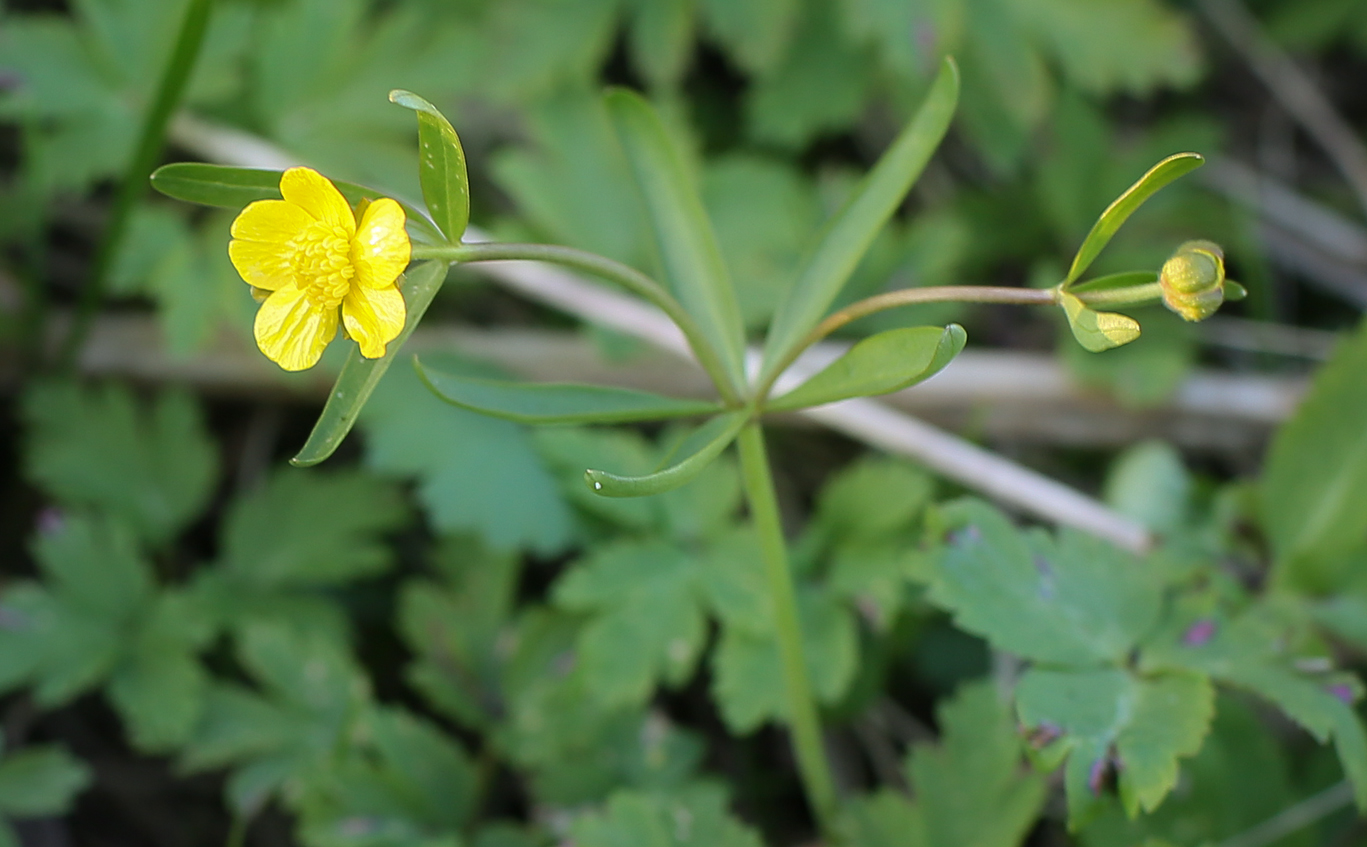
[
  {"x": 867, "y": 420},
  {"x": 1293, "y": 88}
]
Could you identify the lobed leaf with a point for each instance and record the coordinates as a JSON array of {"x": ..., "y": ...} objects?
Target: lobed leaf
[
  {"x": 882, "y": 363},
  {"x": 556, "y": 403},
  {"x": 847, "y": 236},
  {"x": 1125, "y": 205},
  {"x": 690, "y": 816},
  {"x": 688, "y": 247},
  {"x": 441, "y": 170}
]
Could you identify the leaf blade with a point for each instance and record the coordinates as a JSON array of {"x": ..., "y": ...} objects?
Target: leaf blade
[
  {"x": 918, "y": 353},
  {"x": 360, "y": 375},
  {"x": 1098, "y": 331},
  {"x": 727, "y": 427},
  {"x": 1125, "y": 205},
  {"x": 442, "y": 172},
  {"x": 556, "y": 403},
  {"x": 849, "y": 233},
  {"x": 688, "y": 246}
]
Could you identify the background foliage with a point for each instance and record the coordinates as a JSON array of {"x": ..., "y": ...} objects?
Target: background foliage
[{"x": 443, "y": 639}]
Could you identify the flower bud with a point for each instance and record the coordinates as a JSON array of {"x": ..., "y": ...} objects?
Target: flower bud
[{"x": 1193, "y": 280}]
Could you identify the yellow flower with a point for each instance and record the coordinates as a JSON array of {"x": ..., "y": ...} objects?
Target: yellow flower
[{"x": 312, "y": 256}]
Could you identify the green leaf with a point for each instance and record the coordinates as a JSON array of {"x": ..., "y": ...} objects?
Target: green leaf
[
  {"x": 474, "y": 473},
  {"x": 1070, "y": 600},
  {"x": 231, "y": 187},
  {"x": 646, "y": 623},
  {"x": 873, "y": 498},
  {"x": 1097, "y": 331},
  {"x": 755, "y": 32},
  {"x": 1313, "y": 491},
  {"x": 1150, "y": 483},
  {"x": 660, "y": 38},
  {"x": 971, "y": 787},
  {"x": 40, "y": 781},
  {"x": 1144, "y": 374},
  {"x": 882, "y": 363},
  {"x": 311, "y": 529},
  {"x": 693, "y": 816},
  {"x": 360, "y": 375},
  {"x": 688, "y": 247},
  {"x": 847, "y": 236},
  {"x": 445, "y": 183},
  {"x": 885, "y": 819},
  {"x": 154, "y": 467},
  {"x": 557, "y": 403},
  {"x": 1125, "y": 205},
  {"x": 159, "y": 686},
  {"x": 1112, "y": 720},
  {"x": 699, "y": 452}
]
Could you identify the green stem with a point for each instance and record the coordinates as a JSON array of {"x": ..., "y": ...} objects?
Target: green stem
[
  {"x": 1131, "y": 295},
  {"x": 803, "y": 720},
  {"x": 173, "y": 81},
  {"x": 624, "y": 275}
]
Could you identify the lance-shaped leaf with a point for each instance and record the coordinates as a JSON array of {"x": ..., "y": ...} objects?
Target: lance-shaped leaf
[
  {"x": 556, "y": 403},
  {"x": 888, "y": 361},
  {"x": 698, "y": 450},
  {"x": 233, "y": 188},
  {"x": 441, "y": 166},
  {"x": 1125, "y": 205},
  {"x": 688, "y": 247},
  {"x": 1098, "y": 331},
  {"x": 360, "y": 375},
  {"x": 847, "y": 236}
]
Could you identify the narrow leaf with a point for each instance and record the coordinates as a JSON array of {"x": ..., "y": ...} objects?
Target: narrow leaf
[
  {"x": 233, "y": 188},
  {"x": 888, "y": 361},
  {"x": 441, "y": 169},
  {"x": 1125, "y": 205},
  {"x": 360, "y": 375},
  {"x": 688, "y": 246},
  {"x": 725, "y": 428},
  {"x": 556, "y": 403},
  {"x": 849, "y": 233},
  {"x": 1098, "y": 331}
]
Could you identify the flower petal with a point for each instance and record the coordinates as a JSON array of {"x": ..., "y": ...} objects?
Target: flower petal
[
  {"x": 381, "y": 248},
  {"x": 292, "y": 331},
  {"x": 374, "y": 317},
  {"x": 315, "y": 194},
  {"x": 260, "y": 249}
]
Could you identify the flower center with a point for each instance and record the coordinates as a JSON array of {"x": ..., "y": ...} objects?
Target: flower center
[{"x": 322, "y": 263}]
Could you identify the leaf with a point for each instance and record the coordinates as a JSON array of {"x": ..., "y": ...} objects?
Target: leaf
[
  {"x": 1144, "y": 374},
  {"x": 971, "y": 788},
  {"x": 885, "y": 819},
  {"x": 688, "y": 246},
  {"x": 1121, "y": 208},
  {"x": 556, "y": 403},
  {"x": 873, "y": 498},
  {"x": 474, "y": 473},
  {"x": 159, "y": 686},
  {"x": 660, "y": 39},
  {"x": 231, "y": 187},
  {"x": 1072, "y": 599},
  {"x": 847, "y": 236},
  {"x": 1313, "y": 492},
  {"x": 1149, "y": 483},
  {"x": 1140, "y": 726},
  {"x": 693, "y": 815},
  {"x": 882, "y": 363},
  {"x": 755, "y": 32},
  {"x": 646, "y": 623},
  {"x": 40, "y": 781},
  {"x": 154, "y": 467},
  {"x": 441, "y": 170},
  {"x": 1097, "y": 331},
  {"x": 311, "y": 529},
  {"x": 360, "y": 375},
  {"x": 705, "y": 446}
]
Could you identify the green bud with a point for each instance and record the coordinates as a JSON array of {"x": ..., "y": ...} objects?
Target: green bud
[{"x": 1193, "y": 280}]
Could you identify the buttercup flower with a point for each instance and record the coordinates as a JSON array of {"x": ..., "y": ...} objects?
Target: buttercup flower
[
  {"x": 1193, "y": 280},
  {"x": 311, "y": 254}
]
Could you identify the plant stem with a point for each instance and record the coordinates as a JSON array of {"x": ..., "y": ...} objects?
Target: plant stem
[
  {"x": 174, "y": 78},
  {"x": 601, "y": 266},
  {"x": 803, "y": 721}
]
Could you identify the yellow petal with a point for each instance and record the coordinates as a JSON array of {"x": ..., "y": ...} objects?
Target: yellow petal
[
  {"x": 381, "y": 249},
  {"x": 291, "y": 331},
  {"x": 311, "y": 191},
  {"x": 374, "y": 317},
  {"x": 260, "y": 249}
]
